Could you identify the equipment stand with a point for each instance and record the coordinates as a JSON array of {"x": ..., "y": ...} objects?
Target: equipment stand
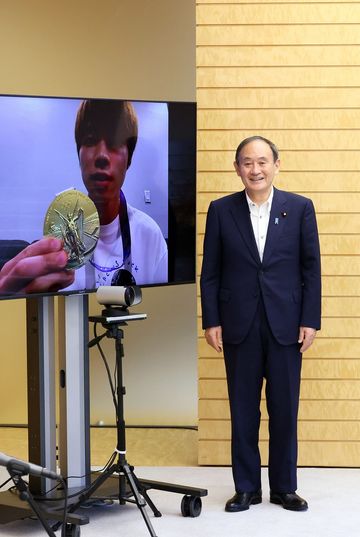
[
  {"x": 129, "y": 488},
  {"x": 121, "y": 467}
]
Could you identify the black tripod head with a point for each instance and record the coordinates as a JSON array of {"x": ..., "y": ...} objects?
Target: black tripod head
[{"x": 115, "y": 311}]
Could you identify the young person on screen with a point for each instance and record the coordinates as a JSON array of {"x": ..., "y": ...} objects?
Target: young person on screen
[
  {"x": 131, "y": 247},
  {"x": 106, "y": 135}
]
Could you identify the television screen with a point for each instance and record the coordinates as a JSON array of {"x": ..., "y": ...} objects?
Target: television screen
[{"x": 95, "y": 192}]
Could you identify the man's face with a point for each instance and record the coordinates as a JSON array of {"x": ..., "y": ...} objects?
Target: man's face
[
  {"x": 257, "y": 168},
  {"x": 103, "y": 169}
]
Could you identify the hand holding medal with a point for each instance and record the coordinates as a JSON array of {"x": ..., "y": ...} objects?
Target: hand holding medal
[{"x": 73, "y": 218}]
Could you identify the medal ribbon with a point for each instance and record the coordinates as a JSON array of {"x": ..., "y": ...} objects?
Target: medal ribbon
[{"x": 125, "y": 238}]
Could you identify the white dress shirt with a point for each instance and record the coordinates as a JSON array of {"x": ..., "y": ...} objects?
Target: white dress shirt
[{"x": 260, "y": 215}]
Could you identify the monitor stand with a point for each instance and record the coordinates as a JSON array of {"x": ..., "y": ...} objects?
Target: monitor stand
[
  {"x": 73, "y": 449},
  {"x": 74, "y": 425}
]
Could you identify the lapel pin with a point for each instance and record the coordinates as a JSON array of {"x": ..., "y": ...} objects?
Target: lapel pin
[
  {"x": 283, "y": 215},
  {"x": 276, "y": 221}
]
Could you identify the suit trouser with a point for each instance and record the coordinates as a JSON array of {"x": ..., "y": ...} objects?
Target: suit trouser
[{"x": 260, "y": 356}]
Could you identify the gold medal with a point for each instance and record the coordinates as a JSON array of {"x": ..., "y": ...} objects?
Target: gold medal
[{"x": 73, "y": 218}]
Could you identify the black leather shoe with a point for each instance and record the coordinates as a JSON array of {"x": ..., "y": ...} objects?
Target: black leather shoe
[
  {"x": 289, "y": 500},
  {"x": 241, "y": 501}
]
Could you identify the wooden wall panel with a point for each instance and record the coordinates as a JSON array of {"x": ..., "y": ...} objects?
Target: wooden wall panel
[
  {"x": 330, "y": 223},
  {"x": 330, "y": 244},
  {"x": 276, "y": 35},
  {"x": 328, "y": 181},
  {"x": 292, "y": 160},
  {"x": 296, "y": 97},
  {"x": 311, "y": 369},
  {"x": 311, "y": 453},
  {"x": 213, "y": 56},
  {"x": 308, "y": 430},
  {"x": 323, "y": 347},
  {"x": 338, "y": 327},
  {"x": 291, "y": 139},
  {"x": 258, "y": 14},
  {"x": 297, "y": 82},
  {"x": 285, "y": 118},
  {"x": 310, "y": 389},
  {"x": 324, "y": 201},
  {"x": 313, "y": 410}
]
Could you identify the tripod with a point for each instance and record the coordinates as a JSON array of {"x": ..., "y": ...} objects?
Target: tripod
[{"x": 112, "y": 319}]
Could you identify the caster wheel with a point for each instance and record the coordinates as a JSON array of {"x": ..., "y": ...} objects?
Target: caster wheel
[
  {"x": 191, "y": 506},
  {"x": 72, "y": 530}
]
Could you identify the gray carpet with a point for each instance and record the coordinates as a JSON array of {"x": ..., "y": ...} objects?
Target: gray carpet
[{"x": 333, "y": 496}]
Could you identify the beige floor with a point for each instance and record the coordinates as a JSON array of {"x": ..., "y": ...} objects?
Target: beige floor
[
  {"x": 333, "y": 496},
  {"x": 169, "y": 455},
  {"x": 145, "y": 447}
]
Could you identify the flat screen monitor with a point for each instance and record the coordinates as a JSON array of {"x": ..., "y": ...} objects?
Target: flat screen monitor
[{"x": 134, "y": 161}]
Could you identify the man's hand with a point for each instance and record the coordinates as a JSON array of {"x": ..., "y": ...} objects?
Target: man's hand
[
  {"x": 306, "y": 337},
  {"x": 213, "y": 337},
  {"x": 40, "y": 267}
]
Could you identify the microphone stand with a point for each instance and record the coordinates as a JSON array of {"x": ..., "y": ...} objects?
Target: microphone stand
[{"x": 16, "y": 474}]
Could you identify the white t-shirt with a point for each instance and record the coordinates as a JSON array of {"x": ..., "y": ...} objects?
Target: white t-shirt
[{"x": 149, "y": 256}]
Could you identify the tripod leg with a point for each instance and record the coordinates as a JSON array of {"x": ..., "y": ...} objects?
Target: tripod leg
[
  {"x": 143, "y": 491},
  {"x": 39, "y": 514},
  {"x": 122, "y": 489},
  {"x": 140, "y": 502},
  {"x": 150, "y": 503},
  {"x": 86, "y": 495}
]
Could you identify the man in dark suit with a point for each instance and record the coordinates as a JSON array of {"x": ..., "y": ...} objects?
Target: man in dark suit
[{"x": 261, "y": 303}]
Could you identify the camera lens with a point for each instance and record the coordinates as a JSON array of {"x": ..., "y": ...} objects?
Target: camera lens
[{"x": 129, "y": 296}]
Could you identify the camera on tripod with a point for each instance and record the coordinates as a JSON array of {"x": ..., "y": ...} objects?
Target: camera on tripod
[
  {"x": 117, "y": 299},
  {"x": 119, "y": 295}
]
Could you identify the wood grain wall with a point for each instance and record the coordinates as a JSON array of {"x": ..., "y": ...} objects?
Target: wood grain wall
[{"x": 289, "y": 70}]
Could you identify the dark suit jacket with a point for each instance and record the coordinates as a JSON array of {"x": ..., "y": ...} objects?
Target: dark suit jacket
[{"x": 233, "y": 277}]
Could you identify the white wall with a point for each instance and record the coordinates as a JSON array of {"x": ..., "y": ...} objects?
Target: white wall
[
  {"x": 159, "y": 364},
  {"x": 132, "y": 49}
]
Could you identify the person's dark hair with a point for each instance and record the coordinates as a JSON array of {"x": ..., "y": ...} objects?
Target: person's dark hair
[
  {"x": 112, "y": 121},
  {"x": 242, "y": 144}
]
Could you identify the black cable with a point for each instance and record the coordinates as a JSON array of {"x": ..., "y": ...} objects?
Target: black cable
[
  {"x": 105, "y": 467},
  {"x": 5, "y": 482},
  {"x": 116, "y": 387},
  {"x": 81, "y": 491},
  {"x": 112, "y": 388}
]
